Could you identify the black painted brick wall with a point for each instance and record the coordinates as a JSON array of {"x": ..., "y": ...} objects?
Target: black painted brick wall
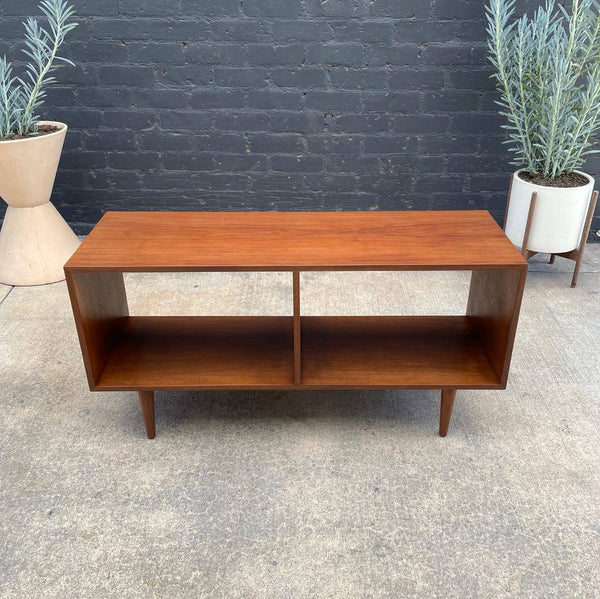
[{"x": 274, "y": 105}]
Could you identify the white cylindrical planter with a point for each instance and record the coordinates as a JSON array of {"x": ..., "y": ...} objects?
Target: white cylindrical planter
[
  {"x": 35, "y": 241},
  {"x": 558, "y": 218}
]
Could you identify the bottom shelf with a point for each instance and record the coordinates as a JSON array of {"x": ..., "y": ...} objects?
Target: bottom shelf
[
  {"x": 192, "y": 352},
  {"x": 394, "y": 352},
  {"x": 256, "y": 352}
]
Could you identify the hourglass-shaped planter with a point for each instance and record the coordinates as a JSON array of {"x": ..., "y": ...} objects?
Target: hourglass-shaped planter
[{"x": 35, "y": 241}]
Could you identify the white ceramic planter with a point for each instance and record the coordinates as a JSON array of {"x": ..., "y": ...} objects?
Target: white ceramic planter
[
  {"x": 35, "y": 241},
  {"x": 558, "y": 218}
]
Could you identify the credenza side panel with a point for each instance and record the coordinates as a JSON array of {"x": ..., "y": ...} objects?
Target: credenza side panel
[
  {"x": 493, "y": 307},
  {"x": 100, "y": 309}
]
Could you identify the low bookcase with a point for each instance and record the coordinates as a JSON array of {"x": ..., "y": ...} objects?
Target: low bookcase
[{"x": 155, "y": 353}]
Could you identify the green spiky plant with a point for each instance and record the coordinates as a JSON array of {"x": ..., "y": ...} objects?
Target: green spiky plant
[
  {"x": 21, "y": 97},
  {"x": 547, "y": 69}
]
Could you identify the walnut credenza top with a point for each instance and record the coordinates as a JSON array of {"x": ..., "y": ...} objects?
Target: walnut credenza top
[{"x": 263, "y": 241}]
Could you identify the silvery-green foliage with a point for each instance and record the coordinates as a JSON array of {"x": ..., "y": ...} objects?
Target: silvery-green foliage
[
  {"x": 10, "y": 104},
  {"x": 547, "y": 69},
  {"x": 21, "y": 97}
]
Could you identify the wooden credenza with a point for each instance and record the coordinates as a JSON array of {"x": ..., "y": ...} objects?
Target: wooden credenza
[{"x": 153, "y": 353}]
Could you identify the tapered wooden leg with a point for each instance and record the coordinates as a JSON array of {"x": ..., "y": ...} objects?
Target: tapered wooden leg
[
  {"x": 524, "y": 251},
  {"x": 448, "y": 396},
  {"x": 577, "y": 254},
  {"x": 551, "y": 261},
  {"x": 584, "y": 235},
  {"x": 576, "y": 271},
  {"x": 147, "y": 402}
]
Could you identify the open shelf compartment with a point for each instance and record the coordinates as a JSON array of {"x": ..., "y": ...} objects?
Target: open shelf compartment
[
  {"x": 170, "y": 352},
  {"x": 394, "y": 351}
]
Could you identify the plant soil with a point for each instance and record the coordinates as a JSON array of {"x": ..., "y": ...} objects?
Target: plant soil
[
  {"x": 566, "y": 180},
  {"x": 42, "y": 130}
]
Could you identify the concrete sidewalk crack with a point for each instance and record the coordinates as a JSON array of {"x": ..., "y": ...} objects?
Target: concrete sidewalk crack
[{"x": 4, "y": 298}]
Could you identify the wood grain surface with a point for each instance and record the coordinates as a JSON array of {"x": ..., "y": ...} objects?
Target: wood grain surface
[
  {"x": 254, "y": 241},
  {"x": 99, "y": 302},
  {"x": 493, "y": 309}
]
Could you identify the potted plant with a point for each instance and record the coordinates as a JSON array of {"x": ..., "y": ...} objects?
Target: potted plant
[
  {"x": 547, "y": 71},
  {"x": 35, "y": 241}
]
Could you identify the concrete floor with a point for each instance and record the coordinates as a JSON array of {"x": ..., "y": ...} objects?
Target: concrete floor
[{"x": 303, "y": 494}]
